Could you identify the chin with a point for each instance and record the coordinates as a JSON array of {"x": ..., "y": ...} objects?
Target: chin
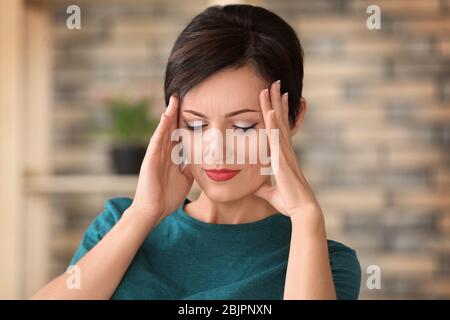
[
  {"x": 225, "y": 192},
  {"x": 242, "y": 185}
]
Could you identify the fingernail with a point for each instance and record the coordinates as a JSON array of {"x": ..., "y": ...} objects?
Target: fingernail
[
  {"x": 285, "y": 95},
  {"x": 266, "y": 93},
  {"x": 278, "y": 85}
]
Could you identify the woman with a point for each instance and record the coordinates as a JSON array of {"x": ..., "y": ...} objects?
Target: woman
[{"x": 244, "y": 237}]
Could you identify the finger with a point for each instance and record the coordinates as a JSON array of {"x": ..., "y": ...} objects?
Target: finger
[
  {"x": 275, "y": 98},
  {"x": 269, "y": 118},
  {"x": 172, "y": 113},
  {"x": 277, "y": 102},
  {"x": 285, "y": 155},
  {"x": 166, "y": 118},
  {"x": 172, "y": 107},
  {"x": 277, "y": 105},
  {"x": 159, "y": 134},
  {"x": 284, "y": 144},
  {"x": 282, "y": 115},
  {"x": 285, "y": 103},
  {"x": 264, "y": 101},
  {"x": 285, "y": 118},
  {"x": 187, "y": 173},
  {"x": 272, "y": 124}
]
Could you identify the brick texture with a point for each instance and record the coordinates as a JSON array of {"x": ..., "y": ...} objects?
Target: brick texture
[{"x": 376, "y": 140}]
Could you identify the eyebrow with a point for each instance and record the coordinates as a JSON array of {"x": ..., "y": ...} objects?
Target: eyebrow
[{"x": 231, "y": 114}]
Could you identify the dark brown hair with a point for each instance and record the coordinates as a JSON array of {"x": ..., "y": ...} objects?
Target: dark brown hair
[{"x": 232, "y": 36}]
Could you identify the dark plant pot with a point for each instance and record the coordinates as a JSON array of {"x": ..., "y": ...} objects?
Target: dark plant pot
[{"x": 127, "y": 159}]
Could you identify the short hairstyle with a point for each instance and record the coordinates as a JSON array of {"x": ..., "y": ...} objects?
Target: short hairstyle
[{"x": 233, "y": 36}]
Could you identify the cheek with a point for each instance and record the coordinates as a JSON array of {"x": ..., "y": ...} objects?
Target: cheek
[
  {"x": 257, "y": 150},
  {"x": 191, "y": 147},
  {"x": 253, "y": 147}
]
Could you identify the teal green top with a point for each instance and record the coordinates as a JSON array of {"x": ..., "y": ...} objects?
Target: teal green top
[{"x": 185, "y": 258}]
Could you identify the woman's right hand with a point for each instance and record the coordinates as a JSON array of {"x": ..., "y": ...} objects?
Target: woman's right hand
[
  {"x": 160, "y": 190},
  {"x": 162, "y": 185}
]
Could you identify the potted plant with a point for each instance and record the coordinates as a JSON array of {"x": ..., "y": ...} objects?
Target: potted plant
[{"x": 131, "y": 129}]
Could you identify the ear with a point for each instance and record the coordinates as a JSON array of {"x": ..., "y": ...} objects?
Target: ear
[{"x": 300, "y": 116}]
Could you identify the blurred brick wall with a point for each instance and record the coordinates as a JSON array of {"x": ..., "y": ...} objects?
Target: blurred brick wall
[{"x": 376, "y": 139}]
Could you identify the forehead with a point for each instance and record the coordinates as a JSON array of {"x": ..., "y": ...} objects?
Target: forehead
[{"x": 225, "y": 91}]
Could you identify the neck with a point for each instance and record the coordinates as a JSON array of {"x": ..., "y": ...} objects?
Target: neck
[{"x": 245, "y": 210}]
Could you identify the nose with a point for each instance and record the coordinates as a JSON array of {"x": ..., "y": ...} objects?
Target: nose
[{"x": 213, "y": 146}]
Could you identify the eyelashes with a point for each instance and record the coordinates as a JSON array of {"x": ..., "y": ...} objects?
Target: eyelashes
[
  {"x": 198, "y": 125},
  {"x": 245, "y": 128}
]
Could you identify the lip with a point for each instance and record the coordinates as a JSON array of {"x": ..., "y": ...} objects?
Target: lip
[{"x": 221, "y": 174}]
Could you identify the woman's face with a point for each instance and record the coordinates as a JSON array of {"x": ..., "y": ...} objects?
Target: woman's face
[{"x": 229, "y": 99}]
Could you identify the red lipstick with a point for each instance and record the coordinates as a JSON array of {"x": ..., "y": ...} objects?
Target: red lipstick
[{"x": 221, "y": 174}]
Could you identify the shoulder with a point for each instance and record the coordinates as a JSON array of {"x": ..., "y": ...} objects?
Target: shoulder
[
  {"x": 117, "y": 206},
  {"x": 113, "y": 209},
  {"x": 335, "y": 247},
  {"x": 346, "y": 270},
  {"x": 112, "y": 212}
]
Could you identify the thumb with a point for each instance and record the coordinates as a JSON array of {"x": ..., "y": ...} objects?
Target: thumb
[
  {"x": 187, "y": 173},
  {"x": 265, "y": 192}
]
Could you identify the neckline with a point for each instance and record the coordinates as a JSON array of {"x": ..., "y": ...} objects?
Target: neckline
[{"x": 261, "y": 224}]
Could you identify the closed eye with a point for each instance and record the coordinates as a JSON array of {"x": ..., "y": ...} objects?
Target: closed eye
[
  {"x": 198, "y": 125},
  {"x": 246, "y": 127},
  {"x": 195, "y": 125}
]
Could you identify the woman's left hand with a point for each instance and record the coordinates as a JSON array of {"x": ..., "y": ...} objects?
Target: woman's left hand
[
  {"x": 308, "y": 254},
  {"x": 291, "y": 194}
]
